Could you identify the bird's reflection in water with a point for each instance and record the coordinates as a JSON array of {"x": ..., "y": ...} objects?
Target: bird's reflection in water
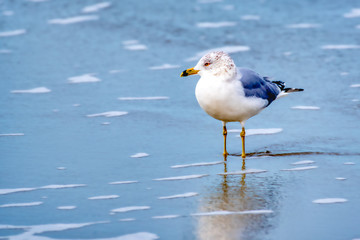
[{"x": 236, "y": 193}]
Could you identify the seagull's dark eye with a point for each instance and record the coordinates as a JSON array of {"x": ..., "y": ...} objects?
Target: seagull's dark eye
[{"x": 207, "y": 64}]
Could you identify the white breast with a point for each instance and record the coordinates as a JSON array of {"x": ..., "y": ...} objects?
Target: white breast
[{"x": 226, "y": 101}]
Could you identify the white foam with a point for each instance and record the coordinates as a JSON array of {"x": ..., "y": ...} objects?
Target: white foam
[
  {"x": 5, "y": 51},
  {"x": 303, "y": 25},
  {"x": 250, "y": 212},
  {"x": 108, "y": 114},
  {"x": 263, "y": 131},
  {"x": 181, "y": 177},
  {"x": 128, "y": 209},
  {"x": 355, "y": 85},
  {"x": 127, "y": 219},
  {"x": 355, "y": 12},
  {"x": 330, "y": 200},
  {"x": 164, "y": 66},
  {"x": 215, "y": 24},
  {"x": 11, "y": 134},
  {"x": 66, "y": 207},
  {"x": 15, "y": 190},
  {"x": 33, "y": 90},
  {"x": 340, "y": 178},
  {"x": 349, "y": 163},
  {"x": 228, "y": 49},
  {"x": 71, "y": 20},
  {"x": 166, "y": 217},
  {"x": 33, "y": 232},
  {"x": 28, "y": 204},
  {"x": 197, "y": 164},
  {"x": 300, "y": 168},
  {"x": 209, "y": 1},
  {"x": 104, "y": 197},
  {"x": 54, "y": 186},
  {"x": 250, "y": 17},
  {"x": 105, "y": 123},
  {"x": 340, "y": 46},
  {"x": 143, "y": 98},
  {"x": 12, "y": 33},
  {"x": 140, "y": 155},
  {"x": 306, "y": 107},
  {"x": 184, "y": 195},
  {"x": 123, "y": 182},
  {"x": 134, "y": 236},
  {"x": 303, "y": 162},
  {"x": 258, "y": 131},
  {"x": 85, "y": 78},
  {"x": 344, "y": 73},
  {"x": 248, "y": 171},
  {"x": 135, "y": 47},
  {"x": 11, "y": 227},
  {"x": 114, "y": 71},
  {"x": 7, "y": 13},
  {"x": 58, "y": 186},
  {"x": 96, "y": 7},
  {"x": 355, "y": 100},
  {"x": 61, "y": 168}
]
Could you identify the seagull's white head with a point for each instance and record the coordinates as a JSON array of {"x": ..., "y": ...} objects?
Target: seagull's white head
[{"x": 218, "y": 64}]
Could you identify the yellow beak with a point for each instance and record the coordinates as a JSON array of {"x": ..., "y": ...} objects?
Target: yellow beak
[{"x": 190, "y": 71}]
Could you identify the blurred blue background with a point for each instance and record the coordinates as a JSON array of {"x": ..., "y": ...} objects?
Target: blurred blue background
[{"x": 85, "y": 55}]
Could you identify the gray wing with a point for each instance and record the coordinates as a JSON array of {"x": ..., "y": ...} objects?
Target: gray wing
[{"x": 258, "y": 86}]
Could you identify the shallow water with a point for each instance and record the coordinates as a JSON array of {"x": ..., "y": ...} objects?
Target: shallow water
[{"x": 101, "y": 139}]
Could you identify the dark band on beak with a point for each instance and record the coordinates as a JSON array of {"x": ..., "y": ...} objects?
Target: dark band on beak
[
  {"x": 184, "y": 74},
  {"x": 190, "y": 71}
]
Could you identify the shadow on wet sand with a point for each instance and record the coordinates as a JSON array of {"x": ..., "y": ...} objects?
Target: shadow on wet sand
[{"x": 284, "y": 154}]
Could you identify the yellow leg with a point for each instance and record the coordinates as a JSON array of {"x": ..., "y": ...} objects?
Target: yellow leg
[
  {"x": 242, "y": 135},
  {"x": 225, "y": 134}
]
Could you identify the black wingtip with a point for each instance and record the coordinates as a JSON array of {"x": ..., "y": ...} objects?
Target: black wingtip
[
  {"x": 280, "y": 84},
  {"x": 289, "y": 90}
]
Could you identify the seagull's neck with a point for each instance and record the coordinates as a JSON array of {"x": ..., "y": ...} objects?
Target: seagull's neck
[
  {"x": 223, "y": 75},
  {"x": 228, "y": 76},
  {"x": 238, "y": 74}
]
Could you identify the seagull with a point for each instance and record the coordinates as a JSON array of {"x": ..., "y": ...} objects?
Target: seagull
[{"x": 232, "y": 94}]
